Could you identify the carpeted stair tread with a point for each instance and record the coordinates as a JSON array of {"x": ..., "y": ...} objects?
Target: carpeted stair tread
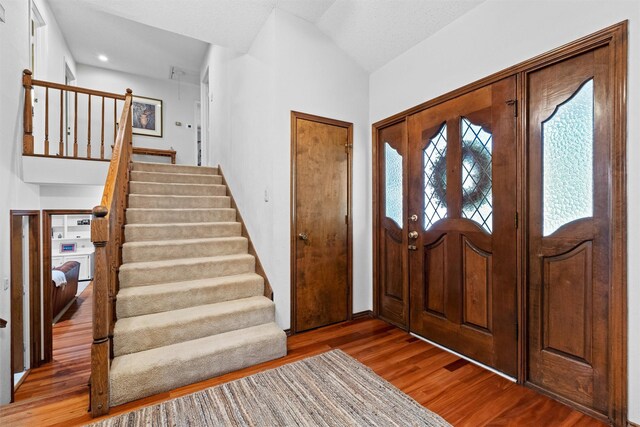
[
  {"x": 186, "y": 248},
  {"x": 140, "y": 333},
  {"x": 152, "y": 201},
  {"x": 149, "y": 372},
  {"x": 139, "y": 300},
  {"x": 163, "y": 167},
  {"x": 183, "y": 178},
  {"x": 153, "y": 272},
  {"x": 162, "y": 188},
  {"x": 147, "y": 232},
  {"x": 168, "y": 216}
]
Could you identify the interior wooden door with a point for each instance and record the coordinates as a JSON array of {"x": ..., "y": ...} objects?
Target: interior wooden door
[
  {"x": 462, "y": 234},
  {"x": 393, "y": 268},
  {"x": 321, "y": 243},
  {"x": 570, "y": 122}
]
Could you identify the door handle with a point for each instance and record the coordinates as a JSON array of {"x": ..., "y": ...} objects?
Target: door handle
[
  {"x": 303, "y": 237},
  {"x": 413, "y": 234}
]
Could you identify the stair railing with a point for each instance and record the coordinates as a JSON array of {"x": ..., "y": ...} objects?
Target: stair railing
[
  {"x": 63, "y": 103},
  {"x": 107, "y": 235}
]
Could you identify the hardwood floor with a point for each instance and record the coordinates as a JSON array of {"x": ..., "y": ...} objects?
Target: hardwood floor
[{"x": 464, "y": 394}]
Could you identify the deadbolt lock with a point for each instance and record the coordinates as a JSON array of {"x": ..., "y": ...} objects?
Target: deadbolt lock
[
  {"x": 414, "y": 218},
  {"x": 413, "y": 248},
  {"x": 413, "y": 234}
]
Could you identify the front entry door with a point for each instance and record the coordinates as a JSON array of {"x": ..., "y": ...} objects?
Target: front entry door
[
  {"x": 321, "y": 242},
  {"x": 462, "y": 225}
]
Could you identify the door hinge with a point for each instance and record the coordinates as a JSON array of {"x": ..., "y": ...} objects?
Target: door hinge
[
  {"x": 347, "y": 147},
  {"x": 514, "y": 102},
  {"x": 515, "y": 220}
]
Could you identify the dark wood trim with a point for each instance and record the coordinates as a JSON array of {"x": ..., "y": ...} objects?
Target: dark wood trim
[
  {"x": 614, "y": 36},
  {"x": 34, "y": 287},
  {"x": 366, "y": 314},
  {"x": 268, "y": 290},
  {"x": 47, "y": 309},
  {"x": 66, "y": 157},
  {"x": 295, "y": 115}
]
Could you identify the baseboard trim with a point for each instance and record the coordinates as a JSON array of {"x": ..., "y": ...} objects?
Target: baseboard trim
[{"x": 362, "y": 315}]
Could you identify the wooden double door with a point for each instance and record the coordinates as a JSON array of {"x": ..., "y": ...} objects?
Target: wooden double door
[
  {"x": 455, "y": 262},
  {"x": 449, "y": 175}
]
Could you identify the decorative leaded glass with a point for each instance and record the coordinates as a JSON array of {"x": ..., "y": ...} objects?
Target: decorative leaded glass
[
  {"x": 567, "y": 159},
  {"x": 477, "y": 198},
  {"x": 393, "y": 184},
  {"x": 435, "y": 178}
]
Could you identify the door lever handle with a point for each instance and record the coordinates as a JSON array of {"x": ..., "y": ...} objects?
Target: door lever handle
[
  {"x": 413, "y": 234},
  {"x": 303, "y": 237}
]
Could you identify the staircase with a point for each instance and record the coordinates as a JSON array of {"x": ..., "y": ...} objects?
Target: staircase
[{"x": 190, "y": 305}]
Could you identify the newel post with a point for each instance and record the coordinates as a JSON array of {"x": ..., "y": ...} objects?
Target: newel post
[
  {"x": 100, "y": 354},
  {"x": 27, "y": 138}
]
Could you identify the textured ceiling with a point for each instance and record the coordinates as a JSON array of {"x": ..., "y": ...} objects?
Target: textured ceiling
[
  {"x": 374, "y": 32},
  {"x": 175, "y": 32}
]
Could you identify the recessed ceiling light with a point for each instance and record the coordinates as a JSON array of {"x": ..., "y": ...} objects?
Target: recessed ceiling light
[{"x": 103, "y": 58}]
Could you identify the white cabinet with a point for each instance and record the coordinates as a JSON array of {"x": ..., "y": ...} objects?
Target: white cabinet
[{"x": 85, "y": 260}]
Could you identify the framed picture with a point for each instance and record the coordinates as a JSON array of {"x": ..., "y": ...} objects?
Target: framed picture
[
  {"x": 67, "y": 247},
  {"x": 147, "y": 116}
]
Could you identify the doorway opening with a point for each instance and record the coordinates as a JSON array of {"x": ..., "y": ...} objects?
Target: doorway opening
[
  {"x": 204, "y": 131},
  {"x": 25, "y": 295},
  {"x": 68, "y": 265},
  {"x": 69, "y": 80}
]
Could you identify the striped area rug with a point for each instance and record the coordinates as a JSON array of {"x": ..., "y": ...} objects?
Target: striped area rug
[{"x": 331, "y": 389}]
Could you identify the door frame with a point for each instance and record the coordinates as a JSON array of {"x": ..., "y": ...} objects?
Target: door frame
[
  {"x": 614, "y": 37},
  {"x": 34, "y": 286},
  {"x": 295, "y": 115},
  {"x": 47, "y": 308}
]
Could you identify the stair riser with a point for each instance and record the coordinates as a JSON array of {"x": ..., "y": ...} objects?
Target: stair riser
[
  {"x": 176, "y": 189},
  {"x": 180, "y": 272},
  {"x": 189, "y": 329},
  {"x": 179, "y": 216},
  {"x": 156, "y": 378},
  {"x": 173, "y": 232},
  {"x": 182, "y": 202},
  {"x": 184, "y": 297},
  {"x": 188, "y": 250},
  {"x": 164, "y": 168},
  {"x": 175, "y": 178}
]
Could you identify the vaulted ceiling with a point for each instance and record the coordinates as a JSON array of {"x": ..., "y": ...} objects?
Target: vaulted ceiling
[{"x": 150, "y": 36}]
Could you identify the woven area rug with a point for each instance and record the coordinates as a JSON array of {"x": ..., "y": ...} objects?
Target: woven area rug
[{"x": 331, "y": 389}]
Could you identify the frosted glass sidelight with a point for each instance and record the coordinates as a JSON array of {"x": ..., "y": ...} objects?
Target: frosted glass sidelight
[
  {"x": 567, "y": 159},
  {"x": 393, "y": 184},
  {"x": 435, "y": 178},
  {"x": 477, "y": 153}
]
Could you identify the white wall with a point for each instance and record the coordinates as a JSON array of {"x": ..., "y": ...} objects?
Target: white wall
[
  {"x": 178, "y": 103},
  {"x": 496, "y": 35},
  {"x": 53, "y": 52},
  {"x": 14, "y": 194},
  {"x": 70, "y": 196},
  {"x": 290, "y": 66}
]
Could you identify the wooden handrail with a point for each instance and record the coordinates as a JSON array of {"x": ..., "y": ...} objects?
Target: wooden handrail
[
  {"x": 107, "y": 230},
  {"x": 28, "y": 146},
  {"x": 83, "y": 90}
]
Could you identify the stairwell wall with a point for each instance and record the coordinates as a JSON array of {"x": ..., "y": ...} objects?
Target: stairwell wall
[
  {"x": 178, "y": 103},
  {"x": 290, "y": 66}
]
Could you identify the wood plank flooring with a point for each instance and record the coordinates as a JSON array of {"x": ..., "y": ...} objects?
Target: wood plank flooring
[{"x": 464, "y": 394}]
